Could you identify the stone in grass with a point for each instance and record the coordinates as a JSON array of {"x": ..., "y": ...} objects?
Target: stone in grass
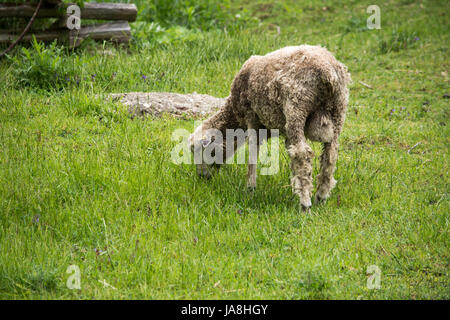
[{"x": 158, "y": 103}]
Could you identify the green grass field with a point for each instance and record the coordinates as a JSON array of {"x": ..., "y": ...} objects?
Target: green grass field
[{"x": 81, "y": 183}]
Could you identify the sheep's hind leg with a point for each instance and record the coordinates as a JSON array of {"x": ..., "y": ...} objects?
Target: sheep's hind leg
[
  {"x": 253, "y": 148},
  {"x": 325, "y": 180},
  {"x": 301, "y": 156}
]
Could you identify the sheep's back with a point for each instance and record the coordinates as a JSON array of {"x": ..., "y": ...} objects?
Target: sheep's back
[{"x": 300, "y": 73}]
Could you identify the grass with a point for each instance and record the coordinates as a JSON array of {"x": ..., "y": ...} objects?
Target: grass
[{"x": 82, "y": 183}]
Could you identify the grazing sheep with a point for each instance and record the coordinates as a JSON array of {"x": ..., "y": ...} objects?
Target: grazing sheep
[{"x": 302, "y": 92}]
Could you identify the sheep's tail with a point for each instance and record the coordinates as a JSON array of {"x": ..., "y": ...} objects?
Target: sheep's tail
[
  {"x": 336, "y": 77},
  {"x": 343, "y": 75}
]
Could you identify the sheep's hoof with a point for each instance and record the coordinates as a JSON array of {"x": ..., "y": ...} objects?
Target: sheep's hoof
[
  {"x": 306, "y": 205},
  {"x": 202, "y": 175},
  {"x": 318, "y": 199},
  {"x": 306, "y": 208}
]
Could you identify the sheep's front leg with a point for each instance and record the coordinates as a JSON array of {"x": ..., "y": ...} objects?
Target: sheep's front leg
[
  {"x": 251, "y": 176},
  {"x": 301, "y": 156},
  {"x": 325, "y": 180},
  {"x": 300, "y": 153},
  {"x": 253, "y": 148}
]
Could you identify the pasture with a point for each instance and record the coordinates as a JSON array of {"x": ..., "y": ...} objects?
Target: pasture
[{"x": 82, "y": 183}]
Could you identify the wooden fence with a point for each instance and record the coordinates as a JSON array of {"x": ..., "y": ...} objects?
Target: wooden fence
[{"x": 118, "y": 30}]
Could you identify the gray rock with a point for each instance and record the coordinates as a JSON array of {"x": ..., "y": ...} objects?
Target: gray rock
[{"x": 158, "y": 103}]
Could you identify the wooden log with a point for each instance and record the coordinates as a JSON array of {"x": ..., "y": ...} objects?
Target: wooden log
[
  {"x": 118, "y": 31},
  {"x": 97, "y": 11},
  {"x": 109, "y": 11},
  {"x": 44, "y": 36},
  {"x": 26, "y": 10}
]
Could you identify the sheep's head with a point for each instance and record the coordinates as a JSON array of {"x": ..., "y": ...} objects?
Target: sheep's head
[{"x": 208, "y": 149}]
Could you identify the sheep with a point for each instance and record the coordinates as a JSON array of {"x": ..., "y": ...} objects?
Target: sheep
[{"x": 299, "y": 90}]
